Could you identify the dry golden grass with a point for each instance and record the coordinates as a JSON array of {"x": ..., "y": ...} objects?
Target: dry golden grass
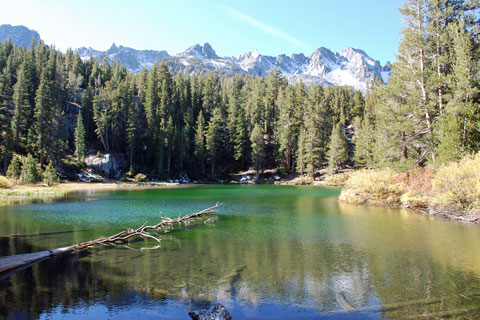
[
  {"x": 457, "y": 184},
  {"x": 4, "y": 183},
  {"x": 338, "y": 179},
  {"x": 374, "y": 187},
  {"x": 452, "y": 188}
]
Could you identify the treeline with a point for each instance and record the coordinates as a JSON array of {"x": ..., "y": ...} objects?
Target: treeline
[
  {"x": 167, "y": 125},
  {"x": 210, "y": 125}
]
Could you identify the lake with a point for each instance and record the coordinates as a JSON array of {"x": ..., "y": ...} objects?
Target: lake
[{"x": 275, "y": 252}]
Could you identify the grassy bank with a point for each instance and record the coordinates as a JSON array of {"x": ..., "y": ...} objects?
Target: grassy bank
[{"x": 451, "y": 190}]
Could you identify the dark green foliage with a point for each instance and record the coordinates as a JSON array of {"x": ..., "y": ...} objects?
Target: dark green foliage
[
  {"x": 80, "y": 139},
  {"x": 258, "y": 146},
  {"x": 214, "y": 140},
  {"x": 14, "y": 169},
  {"x": 30, "y": 172},
  {"x": 429, "y": 110},
  {"x": 174, "y": 126},
  {"x": 24, "y": 99},
  {"x": 167, "y": 127},
  {"x": 338, "y": 149},
  {"x": 364, "y": 142},
  {"x": 45, "y": 127},
  {"x": 199, "y": 151},
  {"x": 50, "y": 175}
]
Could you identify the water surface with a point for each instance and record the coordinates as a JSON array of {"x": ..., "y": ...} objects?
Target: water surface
[{"x": 276, "y": 252}]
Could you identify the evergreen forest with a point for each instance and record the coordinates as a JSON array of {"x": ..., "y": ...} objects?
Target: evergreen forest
[{"x": 207, "y": 126}]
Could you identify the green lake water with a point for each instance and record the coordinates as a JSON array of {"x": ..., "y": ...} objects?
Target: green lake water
[{"x": 275, "y": 252}]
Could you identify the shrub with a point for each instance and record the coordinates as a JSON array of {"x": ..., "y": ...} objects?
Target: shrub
[
  {"x": 338, "y": 179},
  {"x": 301, "y": 181},
  {"x": 50, "y": 175},
  {"x": 418, "y": 183},
  {"x": 3, "y": 182},
  {"x": 457, "y": 184},
  {"x": 373, "y": 186}
]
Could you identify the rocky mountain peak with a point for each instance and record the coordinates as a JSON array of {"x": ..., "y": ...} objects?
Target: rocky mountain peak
[
  {"x": 351, "y": 67},
  {"x": 352, "y": 54},
  {"x": 199, "y": 52},
  {"x": 208, "y": 51},
  {"x": 113, "y": 48},
  {"x": 21, "y": 36}
]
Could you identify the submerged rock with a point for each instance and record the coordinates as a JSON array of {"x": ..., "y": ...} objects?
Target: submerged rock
[{"x": 218, "y": 313}]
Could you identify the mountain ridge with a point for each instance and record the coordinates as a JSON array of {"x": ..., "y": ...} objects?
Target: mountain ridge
[{"x": 351, "y": 67}]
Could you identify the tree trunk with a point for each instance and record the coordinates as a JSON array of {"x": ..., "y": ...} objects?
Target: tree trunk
[{"x": 404, "y": 146}]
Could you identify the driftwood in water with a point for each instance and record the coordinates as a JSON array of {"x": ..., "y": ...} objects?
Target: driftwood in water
[
  {"x": 218, "y": 313},
  {"x": 9, "y": 263},
  {"x": 142, "y": 231}
]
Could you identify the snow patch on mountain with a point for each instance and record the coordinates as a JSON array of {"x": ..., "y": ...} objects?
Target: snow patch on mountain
[{"x": 351, "y": 67}]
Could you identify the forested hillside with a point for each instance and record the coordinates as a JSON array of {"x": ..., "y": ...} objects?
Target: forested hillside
[
  {"x": 214, "y": 124},
  {"x": 166, "y": 125}
]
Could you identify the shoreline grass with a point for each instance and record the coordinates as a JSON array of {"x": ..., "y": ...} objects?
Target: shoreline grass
[{"x": 451, "y": 190}]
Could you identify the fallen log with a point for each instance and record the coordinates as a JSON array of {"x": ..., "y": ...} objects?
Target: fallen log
[{"x": 11, "y": 263}]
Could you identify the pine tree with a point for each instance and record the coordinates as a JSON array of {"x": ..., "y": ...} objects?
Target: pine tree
[
  {"x": 358, "y": 106},
  {"x": 80, "y": 139},
  {"x": 132, "y": 124},
  {"x": 214, "y": 139},
  {"x": 50, "y": 175},
  {"x": 14, "y": 169},
  {"x": 152, "y": 107},
  {"x": 237, "y": 124},
  {"x": 405, "y": 118},
  {"x": 458, "y": 126},
  {"x": 30, "y": 173},
  {"x": 5, "y": 116},
  {"x": 44, "y": 128},
  {"x": 24, "y": 99},
  {"x": 87, "y": 113},
  {"x": 364, "y": 142},
  {"x": 199, "y": 150},
  {"x": 240, "y": 145},
  {"x": 301, "y": 151},
  {"x": 169, "y": 142},
  {"x": 338, "y": 149},
  {"x": 317, "y": 123},
  {"x": 285, "y": 129},
  {"x": 101, "y": 115},
  {"x": 258, "y": 146}
]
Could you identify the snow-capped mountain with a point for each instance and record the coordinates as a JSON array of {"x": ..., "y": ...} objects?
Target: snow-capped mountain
[
  {"x": 350, "y": 67},
  {"x": 134, "y": 60}
]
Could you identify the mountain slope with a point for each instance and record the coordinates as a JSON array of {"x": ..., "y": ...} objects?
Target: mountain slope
[
  {"x": 350, "y": 67},
  {"x": 21, "y": 36}
]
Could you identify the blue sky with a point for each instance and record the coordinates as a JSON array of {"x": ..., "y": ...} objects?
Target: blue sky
[{"x": 231, "y": 27}]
